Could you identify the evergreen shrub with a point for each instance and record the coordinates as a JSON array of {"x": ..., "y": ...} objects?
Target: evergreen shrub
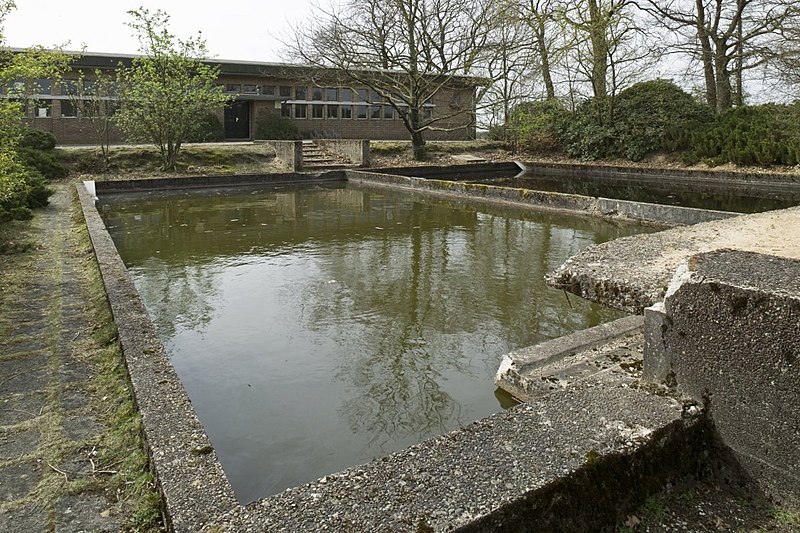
[{"x": 762, "y": 135}]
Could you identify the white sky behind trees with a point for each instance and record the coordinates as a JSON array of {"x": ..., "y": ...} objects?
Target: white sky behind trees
[{"x": 246, "y": 30}]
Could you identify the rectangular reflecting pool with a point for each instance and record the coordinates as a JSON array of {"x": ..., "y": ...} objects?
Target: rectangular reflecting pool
[{"x": 317, "y": 328}]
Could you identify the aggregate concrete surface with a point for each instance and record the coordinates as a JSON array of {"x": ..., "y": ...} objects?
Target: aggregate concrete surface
[
  {"x": 508, "y": 472},
  {"x": 48, "y": 481},
  {"x": 733, "y": 337},
  {"x": 632, "y": 273}
]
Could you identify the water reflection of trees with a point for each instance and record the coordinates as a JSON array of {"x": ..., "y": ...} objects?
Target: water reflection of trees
[
  {"x": 176, "y": 296},
  {"x": 433, "y": 294},
  {"x": 457, "y": 290}
]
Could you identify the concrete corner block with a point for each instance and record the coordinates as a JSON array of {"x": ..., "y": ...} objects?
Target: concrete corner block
[{"x": 731, "y": 335}]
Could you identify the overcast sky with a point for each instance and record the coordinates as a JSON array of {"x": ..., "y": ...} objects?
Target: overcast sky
[{"x": 239, "y": 30}]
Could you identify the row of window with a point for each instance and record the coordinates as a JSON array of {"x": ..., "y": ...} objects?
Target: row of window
[
  {"x": 336, "y": 111},
  {"x": 43, "y": 108},
  {"x": 312, "y": 94},
  {"x": 43, "y": 86}
]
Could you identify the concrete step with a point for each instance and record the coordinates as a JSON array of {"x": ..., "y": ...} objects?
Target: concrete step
[
  {"x": 615, "y": 347},
  {"x": 328, "y": 166}
]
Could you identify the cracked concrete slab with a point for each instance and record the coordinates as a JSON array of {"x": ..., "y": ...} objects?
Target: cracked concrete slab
[{"x": 632, "y": 273}]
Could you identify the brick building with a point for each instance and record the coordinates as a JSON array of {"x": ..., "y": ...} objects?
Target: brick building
[{"x": 312, "y": 99}]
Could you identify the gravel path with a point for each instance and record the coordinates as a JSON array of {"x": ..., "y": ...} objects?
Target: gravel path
[{"x": 60, "y": 457}]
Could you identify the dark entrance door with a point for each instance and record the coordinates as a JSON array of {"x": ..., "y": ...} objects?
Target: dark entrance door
[{"x": 237, "y": 120}]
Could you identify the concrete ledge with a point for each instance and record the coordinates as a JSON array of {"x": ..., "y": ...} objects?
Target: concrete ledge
[
  {"x": 632, "y": 273},
  {"x": 575, "y": 460},
  {"x": 190, "y": 476},
  {"x": 529, "y": 372},
  {"x": 533, "y": 199},
  {"x": 224, "y": 180},
  {"x": 684, "y": 176}
]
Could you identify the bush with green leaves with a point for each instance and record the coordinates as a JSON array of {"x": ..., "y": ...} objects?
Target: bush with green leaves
[
  {"x": 648, "y": 117},
  {"x": 762, "y": 135},
  {"x": 209, "y": 129},
  {"x": 44, "y": 162},
  {"x": 35, "y": 150},
  {"x": 536, "y": 126},
  {"x": 37, "y": 140},
  {"x": 21, "y": 189},
  {"x": 274, "y": 127}
]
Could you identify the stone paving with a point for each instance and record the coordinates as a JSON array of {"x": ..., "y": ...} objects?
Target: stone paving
[{"x": 55, "y": 433}]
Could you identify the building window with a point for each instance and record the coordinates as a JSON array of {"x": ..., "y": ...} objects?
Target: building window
[
  {"x": 18, "y": 87},
  {"x": 332, "y": 95},
  {"x": 347, "y": 111},
  {"x": 233, "y": 88},
  {"x": 332, "y": 111},
  {"x": 88, "y": 87},
  {"x": 316, "y": 110},
  {"x": 427, "y": 113},
  {"x": 68, "y": 109},
  {"x": 285, "y": 92},
  {"x": 300, "y": 110},
  {"x": 42, "y": 108},
  {"x": 43, "y": 86},
  {"x": 374, "y": 98},
  {"x": 286, "y": 110},
  {"x": 300, "y": 93},
  {"x": 375, "y": 112},
  {"x": 346, "y": 95},
  {"x": 268, "y": 90},
  {"x": 69, "y": 88},
  {"x": 388, "y": 111},
  {"x": 361, "y": 111},
  {"x": 316, "y": 93},
  {"x": 249, "y": 88},
  {"x": 362, "y": 95}
]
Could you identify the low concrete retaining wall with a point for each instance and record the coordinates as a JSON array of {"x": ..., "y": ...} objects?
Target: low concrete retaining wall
[
  {"x": 454, "y": 172},
  {"x": 356, "y": 150},
  {"x": 204, "y": 182},
  {"x": 290, "y": 152},
  {"x": 566, "y": 170},
  {"x": 586, "y": 205},
  {"x": 728, "y": 335},
  {"x": 189, "y": 474}
]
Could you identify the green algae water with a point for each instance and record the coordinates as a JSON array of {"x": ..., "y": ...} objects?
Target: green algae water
[{"x": 317, "y": 328}]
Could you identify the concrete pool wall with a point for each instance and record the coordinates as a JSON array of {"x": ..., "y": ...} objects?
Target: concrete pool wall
[
  {"x": 586, "y": 205},
  {"x": 599, "y": 440}
]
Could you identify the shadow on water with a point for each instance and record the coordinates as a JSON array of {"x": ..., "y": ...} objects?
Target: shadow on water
[{"x": 317, "y": 328}]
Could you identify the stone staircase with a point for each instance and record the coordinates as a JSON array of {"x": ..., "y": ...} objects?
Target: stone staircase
[{"x": 317, "y": 158}]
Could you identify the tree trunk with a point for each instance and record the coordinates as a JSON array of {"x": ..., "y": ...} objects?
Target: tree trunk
[
  {"x": 707, "y": 56},
  {"x": 723, "y": 81},
  {"x": 418, "y": 146},
  {"x": 545, "y": 57},
  {"x": 597, "y": 34},
  {"x": 739, "y": 96}
]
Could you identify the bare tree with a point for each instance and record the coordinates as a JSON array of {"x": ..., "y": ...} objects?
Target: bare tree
[
  {"x": 610, "y": 46},
  {"x": 511, "y": 67},
  {"x": 727, "y": 37},
  {"x": 96, "y": 100},
  {"x": 404, "y": 51},
  {"x": 540, "y": 18}
]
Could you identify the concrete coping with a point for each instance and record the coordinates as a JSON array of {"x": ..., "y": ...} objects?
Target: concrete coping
[
  {"x": 633, "y": 273},
  {"x": 601, "y": 441}
]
